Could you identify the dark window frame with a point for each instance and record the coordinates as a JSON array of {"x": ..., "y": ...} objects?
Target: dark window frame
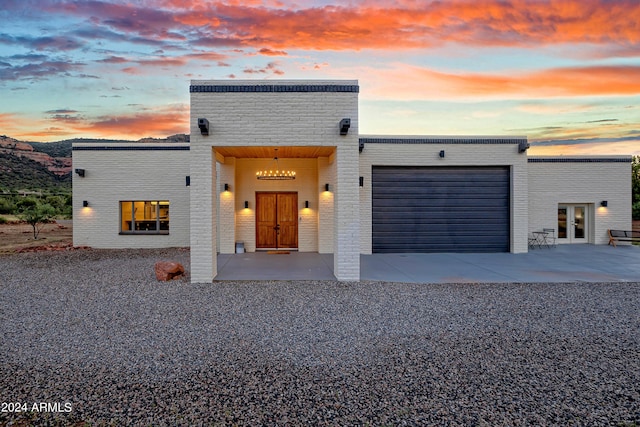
[{"x": 140, "y": 227}]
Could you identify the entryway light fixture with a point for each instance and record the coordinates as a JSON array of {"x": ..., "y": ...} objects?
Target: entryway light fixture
[
  {"x": 604, "y": 203},
  {"x": 85, "y": 203},
  {"x": 275, "y": 173},
  {"x": 345, "y": 124},
  {"x": 306, "y": 204},
  {"x": 226, "y": 187},
  {"x": 80, "y": 172},
  {"x": 326, "y": 187},
  {"x": 246, "y": 204},
  {"x": 203, "y": 124}
]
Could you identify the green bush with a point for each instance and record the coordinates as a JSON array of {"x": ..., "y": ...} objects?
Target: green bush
[
  {"x": 635, "y": 211},
  {"x": 6, "y": 205},
  {"x": 3, "y": 220}
]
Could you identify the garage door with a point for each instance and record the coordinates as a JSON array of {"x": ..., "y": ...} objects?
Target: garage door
[{"x": 440, "y": 209}]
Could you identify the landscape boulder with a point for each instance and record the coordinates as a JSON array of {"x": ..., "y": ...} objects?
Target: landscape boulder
[{"x": 168, "y": 270}]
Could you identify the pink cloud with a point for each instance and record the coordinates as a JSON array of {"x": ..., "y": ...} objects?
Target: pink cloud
[{"x": 270, "y": 52}]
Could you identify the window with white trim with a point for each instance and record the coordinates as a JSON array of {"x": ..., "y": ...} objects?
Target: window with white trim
[{"x": 144, "y": 217}]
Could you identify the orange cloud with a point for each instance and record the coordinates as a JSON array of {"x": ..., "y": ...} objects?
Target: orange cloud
[
  {"x": 368, "y": 24},
  {"x": 166, "y": 121},
  {"x": 155, "y": 124},
  {"x": 587, "y": 148},
  {"x": 381, "y": 25},
  {"x": 411, "y": 83}
]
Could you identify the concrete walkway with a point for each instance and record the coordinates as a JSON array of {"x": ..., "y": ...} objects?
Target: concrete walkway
[
  {"x": 564, "y": 263},
  {"x": 264, "y": 266}
]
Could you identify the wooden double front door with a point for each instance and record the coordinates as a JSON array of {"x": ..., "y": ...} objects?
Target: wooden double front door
[{"x": 276, "y": 220}]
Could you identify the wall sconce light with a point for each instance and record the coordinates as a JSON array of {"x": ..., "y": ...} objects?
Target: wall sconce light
[
  {"x": 523, "y": 146},
  {"x": 80, "y": 172},
  {"x": 442, "y": 154},
  {"x": 306, "y": 204},
  {"x": 604, "y": 203},
  {"x": 246, "y": 204},
  {"x": 345, "y": 124},
  {"x": 203, "y": 124},
  {"x": 326, "y": 187},
  {"x": 85, "y": 203},
  {"x": 188, "y": 181},
  {"x": 362, "y": 181},
  {"x": 360, "y": 146},
  {"x": 226, "y": 187}
]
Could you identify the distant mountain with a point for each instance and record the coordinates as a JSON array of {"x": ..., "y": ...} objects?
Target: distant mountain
[{"x": 46, "y": 165}]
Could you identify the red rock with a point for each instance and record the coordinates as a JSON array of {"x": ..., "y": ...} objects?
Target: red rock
[{"x": 168, "y": 270}]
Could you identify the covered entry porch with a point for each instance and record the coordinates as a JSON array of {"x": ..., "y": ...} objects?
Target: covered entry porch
[
  {"x": 260, "y": 207},
  {"x": 296, "y": 215}
]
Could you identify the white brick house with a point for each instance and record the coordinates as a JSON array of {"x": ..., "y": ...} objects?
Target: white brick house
[{"x": 352, "y": 194}]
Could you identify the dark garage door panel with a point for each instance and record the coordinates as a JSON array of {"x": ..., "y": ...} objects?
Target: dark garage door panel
[{"x": 440, "y": 209}]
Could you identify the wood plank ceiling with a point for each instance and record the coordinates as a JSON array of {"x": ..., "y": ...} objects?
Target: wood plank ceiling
[{"x": 264, "y": 152}]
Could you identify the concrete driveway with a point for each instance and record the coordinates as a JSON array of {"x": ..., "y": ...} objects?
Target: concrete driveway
[{"x": 564, "y": 263}]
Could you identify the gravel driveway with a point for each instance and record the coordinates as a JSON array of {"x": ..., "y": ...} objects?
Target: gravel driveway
[{"x": 93, "y": 335}]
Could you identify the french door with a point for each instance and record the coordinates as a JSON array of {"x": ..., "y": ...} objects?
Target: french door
[
  {"x": 276, "y": 220},
  {"x": 573, "y": 224}
]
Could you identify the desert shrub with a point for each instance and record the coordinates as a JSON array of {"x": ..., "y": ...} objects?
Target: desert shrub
[
  {"x": 37, "y": 215},
  {"x": 6, "y": 205}
]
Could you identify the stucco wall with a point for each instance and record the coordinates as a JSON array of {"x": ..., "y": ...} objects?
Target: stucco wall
[
  {"x": 476, "y": 152},
  {"x": 581, "y": 180},
  {"x": 120, "y": 172}
]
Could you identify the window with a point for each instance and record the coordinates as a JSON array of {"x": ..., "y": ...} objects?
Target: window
[{"x": 144, "y": 217}]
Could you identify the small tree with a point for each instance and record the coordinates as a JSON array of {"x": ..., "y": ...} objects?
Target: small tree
[{"x": 35, "y": 214}]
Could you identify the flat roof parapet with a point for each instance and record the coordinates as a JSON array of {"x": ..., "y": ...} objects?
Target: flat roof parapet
[
  {"x": 580, "y": 159},
  {"x": 443, "y": 140}
]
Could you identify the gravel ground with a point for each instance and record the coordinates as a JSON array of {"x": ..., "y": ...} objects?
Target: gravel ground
[{"x": 94, "y": 332}]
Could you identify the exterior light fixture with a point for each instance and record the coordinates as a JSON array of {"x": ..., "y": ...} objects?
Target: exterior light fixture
[
  {"x": 85, "y": 203},
  {"x": 306, "y": 204},
  {"x": 80, "y": 172},
  {"x": 326, "y": 187},
  {"x": 442, "y": 154},
  {"x": 345, "y": 124},
  {"x": 275, "y": 174},
  {"x": 604, "y": 203},
  {"x": 362, "y": 181},
  {"x": 187, "y": 180},
  {"x": 203, "y": 124},
  {"x": 523, "y": 146},
  {"x": 246, "y": 204},
  {"x": 226, "y": 187}
]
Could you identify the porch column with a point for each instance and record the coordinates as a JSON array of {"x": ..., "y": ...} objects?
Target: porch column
[
  {"x": 346, "y": 253},
  {"x": 203, "y": 214},
  {"x": 227, "y": 210}
]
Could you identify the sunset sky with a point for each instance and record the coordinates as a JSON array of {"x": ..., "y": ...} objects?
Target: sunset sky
[{"x": 565, "y": 73}]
